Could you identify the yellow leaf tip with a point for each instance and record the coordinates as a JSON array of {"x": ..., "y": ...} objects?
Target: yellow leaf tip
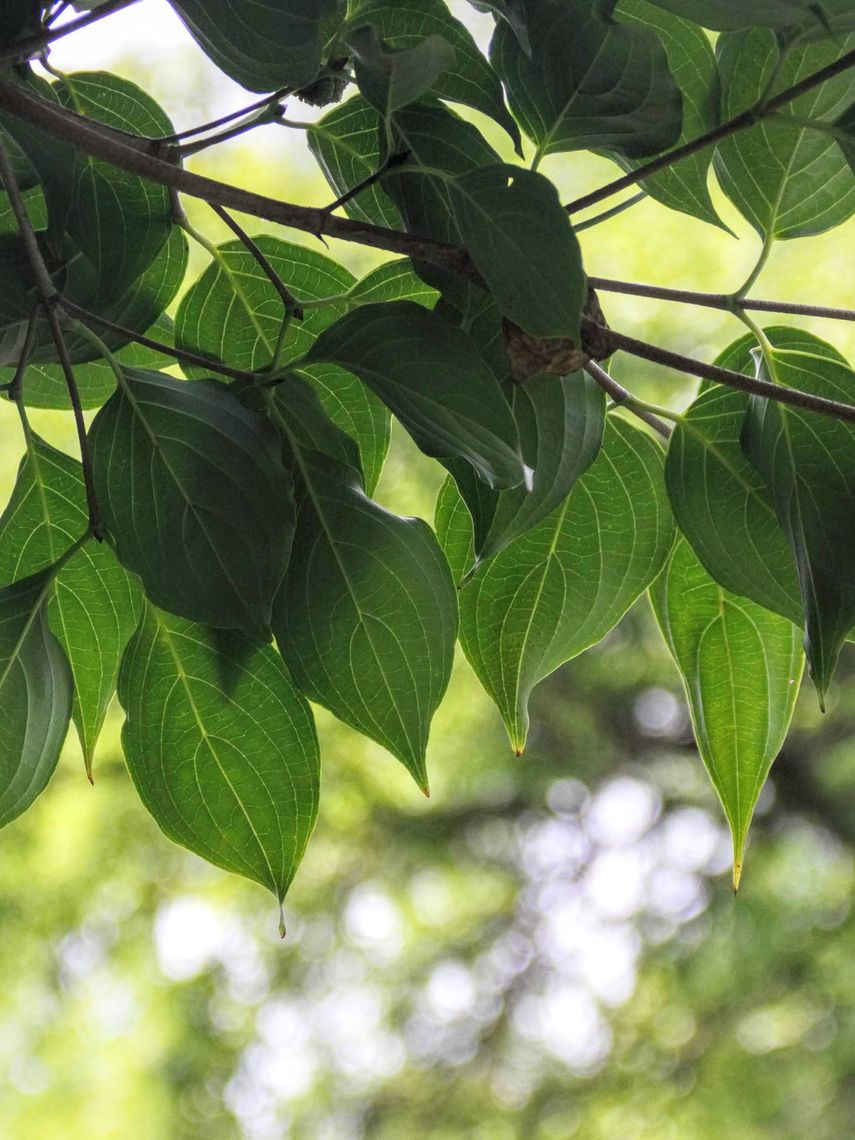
[
  {"x": 737, "y": 876},
  {"x": 282, "y": 930}
]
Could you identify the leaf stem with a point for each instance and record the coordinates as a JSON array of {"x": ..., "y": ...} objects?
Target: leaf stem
[
  {"x": 759, "y": 266},
  {"x": 266, "y": 115},
  {"x": 650, "y": 413},
  {"x": 748, "y": 118},
  {"x": 268, "y": 101},
  {"x": 613, "y": 212}
]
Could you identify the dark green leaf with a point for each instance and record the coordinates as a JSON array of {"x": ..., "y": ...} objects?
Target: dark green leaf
[
  {"x": 788, "y": 181},
  {"x": 35, "y": 694},
  {"x": 392, "y": 79},
  {"x": 741, "y": 668},
  {"x": 683, "y": 186},
  {"x": 95, "y": 604},
  {"x": 266, "y": 44},
  {"x": 846, "y": 137},
  {"x": 561, "y": 422},
  {"x": 193, "y": 490},
  {"x": 805, "y": 16},
  {"x": 347, "y": 146},
  {"x": 221, "y": 747},
  {"x": 564, "y": 584},
  {"x": 511, "y": 10},
  {"x": 18, "y": 19},
  {"x": 808, "y": 464},
  {"x": 589, "y": 82},
  {"x": 466, "y": 78},
  {"x": 431, "y": 376},
  {"x": 367, "y": 614}
]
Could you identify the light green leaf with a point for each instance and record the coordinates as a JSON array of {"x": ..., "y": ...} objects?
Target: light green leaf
[
  {"x": 192, "y": 489},
  {"x": 787, "y": 181},
  {"x": 392, "y": 79},
  {"x": 266, "y": 44},
  {"x": 367, "y": 614},
  {"x": 807, "y": 17},
  {"x": 346, "y": 144},
  {"x": 683, "y": 186},
  {"x": 588, "y": 82},
  {"x": 431, "y": 376},
  {"x": 466, "y": 78},
  {"x": 741, "y": 668},
  {"x": 808, "y": 464},
  {"x": 35, "y": 694},
  {"x": 221, "y": 747},
  {"x": 95, "y": 604},
  {"x": 564, "y": 584},
  {"x": 393, "y": 281}
]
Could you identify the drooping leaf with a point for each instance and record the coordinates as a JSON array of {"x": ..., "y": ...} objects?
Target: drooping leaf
[
  {"x": 565, "y": 583},
  {"x": 234, "y": 314},
  {"x": 588, "y": 82},
  {"x": 741, "y": 668},
  {"x": 808, "y": 464},
  {"x": 787, "y": 180},
  {"x": 466, "y": 78},
  {"x": 35, "y": 694},
  {"x": 807, "y": 17},
  {"x": 221, "y": 747},
  {"x": 264, "y": 45},
  {"x": 392, "y": 79},
  {"x": 683, "y": 186},
  {"x": 95, "y": 604},
  {"x": 393, "y": 281},
  {"x": 346, "y": 144},
  {"x": 561, "y": 422},
  {"x": 720, "y": 501},
  {"x": 431, "y": 376},
  {"x": 192, "y": 488},
  {"x": 367, "y": 615},
  {"x": 511, "y": 10}
]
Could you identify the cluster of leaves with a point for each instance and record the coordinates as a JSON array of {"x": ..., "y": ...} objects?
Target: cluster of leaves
[{"x": 215, "y": 515}]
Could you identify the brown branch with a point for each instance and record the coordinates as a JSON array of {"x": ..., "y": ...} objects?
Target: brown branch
[
  {"x": 755, "y": 386},
  {"x": 624, "y": 398},
  {"x": 740, "y": 122},
  {"x": 33, "y": 45}
]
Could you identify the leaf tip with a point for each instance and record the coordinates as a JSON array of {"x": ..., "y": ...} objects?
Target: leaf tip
[
  {"x": 425, "y": 789},
  {"x": 737, "y": 875},
  {"x": 282, "y": 930}
]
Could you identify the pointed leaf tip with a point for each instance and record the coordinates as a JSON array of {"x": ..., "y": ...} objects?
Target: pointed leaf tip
[{"x": 282, "y": 930}]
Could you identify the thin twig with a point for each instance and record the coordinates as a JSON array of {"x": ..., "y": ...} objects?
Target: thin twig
[
  {"x": 612, "y": 213},
  {"x": 33, "y": 45},
  {"x": 740, "y": 122},
  {"x": 15, "y": 386},
  {"x": 87, "y": 317},
  {"x": 723, "y": 301},
  {"x": 186, "y": 150},
  {"x": 224, "y": 120},
  {"x": 292, "y": 305},
  {"x": 625, "y": 398},
  {"x": 692, "y": 367}
]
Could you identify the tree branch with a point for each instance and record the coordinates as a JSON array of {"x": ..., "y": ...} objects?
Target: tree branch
[
  {"x": 624, "y": 398},
  {"x": 740, "y": 122},
  {"x": 724, "y": 301},
  {"x": 756, "y": 387},
  {"x": 33, "y": 45}
]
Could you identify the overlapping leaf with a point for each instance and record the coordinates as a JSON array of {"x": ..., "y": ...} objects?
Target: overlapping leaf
[
  {"x": 392, "y": 79},
  {"x": 588, "y": 81},
  {"x": 35, "y": 694},
  {"x": 95, "y": 604},
  {"x": 393, "y": 281},
  {"x": 787, "y": 180},
  {"x": 806, "y": 17},
  {"x": 808, "y": 464},
  {"x": 192, "y": 488},
  {"x": 741, "y": 667},
  {"x": 511, "y": 10},
  {"x": 367, "y": 614},
  {"x": 431, "y": 376},
  {"x": 266, "y": 44},
  {"x": 564, "y": 584},
  {"x": 683, "y": 186},
  {"x": 221, "y": 747}
]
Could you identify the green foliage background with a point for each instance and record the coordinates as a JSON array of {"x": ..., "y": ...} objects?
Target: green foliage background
[{"x": 548, "y": 948}]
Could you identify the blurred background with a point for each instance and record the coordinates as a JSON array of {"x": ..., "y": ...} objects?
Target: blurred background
[{"x": 549, "y": 947}]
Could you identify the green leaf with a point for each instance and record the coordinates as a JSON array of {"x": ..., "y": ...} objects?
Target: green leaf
[
  {"x": 807, "y": 17},
  {"x": 392, "y": 79},
  {"x": 741, "y": 668},
  {"x": 846, "y": 136},
  {"x": 221, "y": 747},
  {"x": 192, "y": 488},
  {"x": 95, "y": 605},
  {"x": 683, "y": 186},
  {"x": 346, "y": 144},
  {"x": 511, "y": 10},
  {"x": 367, "y": 614},
  {"x": 35, "y": 694},
  {"x": 18, "y": 19},
  {"x": 465, "y": 78},
  {"x": 808, "y": 464},
  {"x": 393, "y": 281},
  {"x": 518, "y": 234},
  {"x": 588, "y": 82},
  {"x": 266, "y": 44},
  {"x": 431, "y": 376},
  {"x": 786, "y": 180},
  {"x": 720, "y": 501},
  {"x": 234, "y": 314},
  {"x": 561, "y": 422},
  {"x": 559, "y": 588}
]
